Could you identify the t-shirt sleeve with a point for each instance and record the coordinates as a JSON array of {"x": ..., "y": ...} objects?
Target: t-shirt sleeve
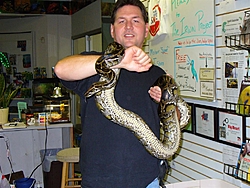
[
  {"x": 80, "y": 86},
  {"x": 71, "y": 85}
]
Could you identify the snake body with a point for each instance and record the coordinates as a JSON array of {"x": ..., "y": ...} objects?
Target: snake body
[{"x": 170, "y": 126}]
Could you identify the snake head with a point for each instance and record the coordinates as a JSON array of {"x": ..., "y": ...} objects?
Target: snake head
[
  {"x": 114, "y": 48},
  {"x": 168, "y": 87},
  {"x": 112, "y": 56}
]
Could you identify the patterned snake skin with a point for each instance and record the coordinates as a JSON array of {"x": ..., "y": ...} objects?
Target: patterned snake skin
[{"x": 170, "y": 127}]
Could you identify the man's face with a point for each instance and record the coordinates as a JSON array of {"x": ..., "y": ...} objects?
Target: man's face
[{"x": 129, "y": 28}]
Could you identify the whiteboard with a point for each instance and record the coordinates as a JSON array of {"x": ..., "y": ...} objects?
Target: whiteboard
[{"x": 187, "y": 49}]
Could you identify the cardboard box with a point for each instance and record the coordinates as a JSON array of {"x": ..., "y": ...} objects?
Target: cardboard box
[{"x": 207, "y": 183}]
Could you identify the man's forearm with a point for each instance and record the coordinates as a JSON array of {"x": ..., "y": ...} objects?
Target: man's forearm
[{"x": 76, "y": 67}]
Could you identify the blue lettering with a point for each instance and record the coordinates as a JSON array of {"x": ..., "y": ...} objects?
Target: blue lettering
[{"x": 176, "y": 3}]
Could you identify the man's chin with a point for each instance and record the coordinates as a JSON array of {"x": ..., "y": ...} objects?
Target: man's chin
[{"x": 128, "y": 44}]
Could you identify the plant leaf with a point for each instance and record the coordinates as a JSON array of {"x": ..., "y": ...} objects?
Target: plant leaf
[
  {"x": 2, "y": 84},
  {"x": 7, "y": 94}
]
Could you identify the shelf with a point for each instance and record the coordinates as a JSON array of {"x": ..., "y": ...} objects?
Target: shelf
[
  {"x": 241, "y": 109},
  {"x": 238, "y": 42},
  {"x": 13, "y": 113},
  {"x": 13, "y": 15},
  {"x": 20, "y": 99},
  {"x": 233, "y": 171}
]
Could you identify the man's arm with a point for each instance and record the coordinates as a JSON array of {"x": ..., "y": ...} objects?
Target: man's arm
[{"x": 78, "y": 67}]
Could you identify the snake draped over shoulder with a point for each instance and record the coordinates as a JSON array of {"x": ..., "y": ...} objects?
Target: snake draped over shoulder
[{"x": 170, "y": 126}]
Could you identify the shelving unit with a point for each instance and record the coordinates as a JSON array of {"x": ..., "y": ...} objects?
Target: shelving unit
[
  {"x": 233, "y": 171},
  {"x": 234, "y": 106},
  {"x": 239, "y": 42}
]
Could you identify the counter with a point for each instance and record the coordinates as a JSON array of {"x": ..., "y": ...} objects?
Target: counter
[{"x": 26, "y": 143}]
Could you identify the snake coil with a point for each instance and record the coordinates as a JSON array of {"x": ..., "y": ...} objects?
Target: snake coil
[{"x": 170, "y": 126}]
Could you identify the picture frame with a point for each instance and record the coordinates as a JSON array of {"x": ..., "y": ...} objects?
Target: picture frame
[
  {"x": 205, "y": 121},
  {"x": 231, "y": 128},
  {"x": 190, "y": 126}
]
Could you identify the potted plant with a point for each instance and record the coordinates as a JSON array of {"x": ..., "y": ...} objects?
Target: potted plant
[{"x": 7, "y": 93}]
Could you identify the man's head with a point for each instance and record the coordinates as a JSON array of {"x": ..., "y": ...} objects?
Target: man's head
[
  {"x": 121, "y": 3},
  {"x": 129, "y": 23}
]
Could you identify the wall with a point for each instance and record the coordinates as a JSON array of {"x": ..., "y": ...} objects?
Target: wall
[
  {"x": 97, "y": 26},
  {"x": 198, "y": 157},
  {"x": 86, "y": 22},
  {"x": 52, "y": 37}
]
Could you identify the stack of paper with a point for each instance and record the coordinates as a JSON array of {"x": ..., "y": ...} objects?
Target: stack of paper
[{"x": 14, "y": 125}]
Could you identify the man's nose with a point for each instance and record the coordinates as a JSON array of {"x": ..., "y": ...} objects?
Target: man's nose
[{"x": 129, "y": 25}]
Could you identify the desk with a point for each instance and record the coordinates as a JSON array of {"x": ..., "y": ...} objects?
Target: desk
[{"x": 26, "y": 143}]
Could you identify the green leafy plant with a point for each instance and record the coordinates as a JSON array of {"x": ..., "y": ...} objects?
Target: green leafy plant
[{"x": 7, "y": 93}]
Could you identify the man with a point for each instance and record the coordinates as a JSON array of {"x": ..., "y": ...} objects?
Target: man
[{"x": 111, "y": 156}]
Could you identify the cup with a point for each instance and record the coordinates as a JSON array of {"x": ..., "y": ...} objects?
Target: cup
[{"x": 31, "y": 121}]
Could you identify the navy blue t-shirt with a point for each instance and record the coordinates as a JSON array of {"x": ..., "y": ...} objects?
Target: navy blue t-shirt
[{"x": 110, "y": 155}]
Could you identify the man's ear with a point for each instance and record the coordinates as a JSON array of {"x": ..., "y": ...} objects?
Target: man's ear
[
  {"x": 146, "y": 30},
  {"x": 112, "y": 31}
]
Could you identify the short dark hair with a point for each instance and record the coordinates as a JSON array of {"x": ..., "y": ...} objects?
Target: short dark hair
[{"x": 121, "y": 3}]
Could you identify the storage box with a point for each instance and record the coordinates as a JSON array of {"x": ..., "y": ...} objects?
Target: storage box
[{"x": 207, "y": 183}]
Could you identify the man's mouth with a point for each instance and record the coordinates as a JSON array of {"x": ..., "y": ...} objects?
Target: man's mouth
[{"x": 129, "y": 35}]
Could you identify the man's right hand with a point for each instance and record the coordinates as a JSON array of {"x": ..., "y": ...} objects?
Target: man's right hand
[{"x": 135, "y": 59}]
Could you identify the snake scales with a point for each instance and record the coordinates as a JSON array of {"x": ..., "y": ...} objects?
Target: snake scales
[{"x": 170, "y": 127}]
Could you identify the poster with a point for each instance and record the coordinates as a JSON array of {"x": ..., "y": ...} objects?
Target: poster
[
  {"x": 205, "y": 121},
  {"x": 231, "y": 24},
  {"x": 230, "y": 128},
  {"x": 233, "y": 72}
]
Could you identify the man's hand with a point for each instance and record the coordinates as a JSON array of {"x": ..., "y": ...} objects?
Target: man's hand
[
  {"x": 155, "y": 93},
  {"x": 135, "y": 59}
]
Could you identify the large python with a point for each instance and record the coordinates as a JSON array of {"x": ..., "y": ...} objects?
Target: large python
[{"x": 170, "y": 127}]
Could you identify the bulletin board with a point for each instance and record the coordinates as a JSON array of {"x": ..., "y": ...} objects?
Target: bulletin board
[
  {"x": 18, "y": 47},
  {"x": 186, "y": 49}
]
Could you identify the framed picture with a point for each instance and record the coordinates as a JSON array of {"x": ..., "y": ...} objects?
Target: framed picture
[
  {"x": 205, "y": 124},
  {"x": 189, "y": 128},
  {"x": 231, "y": 128}
]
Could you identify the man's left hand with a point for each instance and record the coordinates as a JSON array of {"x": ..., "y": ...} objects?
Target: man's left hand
[{"x": 155, "y": 93}]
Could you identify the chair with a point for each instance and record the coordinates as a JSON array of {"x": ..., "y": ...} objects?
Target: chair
[
  {"x": 21, "y": 106},
  {"x": 67, "y": 156}
]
